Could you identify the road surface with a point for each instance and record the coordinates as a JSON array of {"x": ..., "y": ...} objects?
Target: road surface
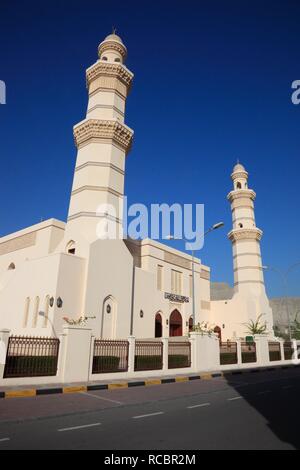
[{"x": 249, "y": 411}]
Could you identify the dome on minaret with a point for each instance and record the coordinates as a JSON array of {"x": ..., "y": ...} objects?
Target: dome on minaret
[
  {"x": 112, "y": 49},
  {"x": 238, "y": 167},
  {"x": 113, "y": 37}
]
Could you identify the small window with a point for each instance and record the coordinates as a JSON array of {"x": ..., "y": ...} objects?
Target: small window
[
  {"x": 238, "y": 186},
  {"x": 117, "y": 59},
  {"x": 241, "y": 225},
  {"x": 70, "y": 248},
  {"x": 11, "y": 266},
  {"x": 104, "y": 58}
]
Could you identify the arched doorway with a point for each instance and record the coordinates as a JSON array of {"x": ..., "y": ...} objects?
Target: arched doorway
[
  {"x": 218, "y": 330},
  {"x": 191, "y": 324},
  {"x": 158, "y": 325},
  {"x": 175, "y": 324}
]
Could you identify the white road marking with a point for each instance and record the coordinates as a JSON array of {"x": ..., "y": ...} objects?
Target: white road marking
[
  {"x": 198, "y": 406},
  {"x": 74, "y": 428},
  {"x": 147, "y": 416},
  {"x": 101, "y": 398},
  {"x": 234, "y": 398},
  {"x": 264, "y": 392},
  {"x": 5, "y": 439}
]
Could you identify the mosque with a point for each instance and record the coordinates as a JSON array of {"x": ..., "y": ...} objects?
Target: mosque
[{"x": 54, "y": 269}]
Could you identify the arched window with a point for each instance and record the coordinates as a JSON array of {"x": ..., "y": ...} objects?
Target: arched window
[
  {"x": 240, "y": 225},
  {"x": 35, "y": 312},
  {"x": 158, "y": 325},
  {"x": 238, "y": 185},
  {"x": 104, "y": 58},
  {"x": 11, "y": 266},
  {"x": 175, "y": 324},
  {"x": 71, "y": 247},
  {"x": 26, "y": 312},
  {"x": 190, "y": 324},
  {"x": 109, "y": 318},
  {"x": 117, "y": 59}
]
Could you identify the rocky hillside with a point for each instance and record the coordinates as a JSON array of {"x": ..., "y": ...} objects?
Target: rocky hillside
[{"x": 223, "y": 291}]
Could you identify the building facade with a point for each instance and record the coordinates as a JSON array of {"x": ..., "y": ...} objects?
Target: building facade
[{"x": 54, "y": 269}]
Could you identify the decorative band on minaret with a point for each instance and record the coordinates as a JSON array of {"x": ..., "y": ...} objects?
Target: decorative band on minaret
[
  {"x": 103, "y": 140},
  {"x": 245, "y": 236}
]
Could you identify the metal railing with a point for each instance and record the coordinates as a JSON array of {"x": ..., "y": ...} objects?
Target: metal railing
[
  {"x": 248, "y": 352},
  {"x": 228, "y": 353},
  {"x": 274, "y": 351},
  {"x": 288, "y": 350},
  {"x": 31, "y": 357},
  {"x": 110, "y": 356},
  {"x": 148, "y": 355},
  {"x": 179, "y": 354}
]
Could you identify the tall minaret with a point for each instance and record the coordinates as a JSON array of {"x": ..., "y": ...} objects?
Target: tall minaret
[
  {"x": 245, "y": 236},
  {"x": 103, "y": 141}
]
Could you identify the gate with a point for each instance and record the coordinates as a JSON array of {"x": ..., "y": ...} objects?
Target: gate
[
  {"x": 148, "y": 355},
  {"x": 228, "y": 353},
  {"x": 274, "y": 351},
  {"x": 248, "y": 352},
  {"x": 179, "y": 354},
  {"x": 110, "y": 356},
  {"x": 31, "y": 357}
]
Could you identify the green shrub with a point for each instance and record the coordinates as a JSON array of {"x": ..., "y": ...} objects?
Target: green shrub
[
  {"x": 105, "y": 364},
  {"x": 248, "y": 357},
  {"x": 274, "y": 356},
  {"x": 30, "y": 366},
  {"x": 178, "y": 360},
  {"x": 147, "y": 362},
  {"x": 228, "y": 358}
]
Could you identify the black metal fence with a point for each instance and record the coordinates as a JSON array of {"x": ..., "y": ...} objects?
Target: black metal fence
[
  {"x": 248, "y": 352},
  {"x": 31, "y": 357},
  {"x": 228, "y": 353},
  {"x": 274, "y": 351},
  {"x": 179, "y": 354},
  {"x": 288, "y": 350},
  {"x": 148, "y": 355},
  {"x": 110, "y": 356}
]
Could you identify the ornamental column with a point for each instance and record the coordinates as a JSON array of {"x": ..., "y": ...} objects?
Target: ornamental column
[
  {"x": 245, "y": 236},
  {"x": 103, "y": 141}
]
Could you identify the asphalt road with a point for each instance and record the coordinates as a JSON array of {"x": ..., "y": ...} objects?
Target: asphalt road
[{"x": 250, "y": 411}]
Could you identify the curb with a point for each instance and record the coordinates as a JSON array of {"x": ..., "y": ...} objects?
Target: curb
[{"x": 141, "y": 383}]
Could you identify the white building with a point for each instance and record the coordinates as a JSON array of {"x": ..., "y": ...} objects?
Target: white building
[{"x": 55, "y": 269}]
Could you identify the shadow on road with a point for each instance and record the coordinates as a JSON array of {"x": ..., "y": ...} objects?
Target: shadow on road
[{"x": 275, "y": 397}]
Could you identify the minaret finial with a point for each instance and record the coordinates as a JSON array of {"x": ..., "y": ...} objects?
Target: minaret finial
[
  {"x": 114, "y": 30},
  {"x": 237, "y": 160}
]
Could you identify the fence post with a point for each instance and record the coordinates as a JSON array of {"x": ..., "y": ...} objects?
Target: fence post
[
  {"x": 165, "y": 342},
  {"x": 262, "y": 350},
  {"x": 76, "y": 354},
  {"x": 4, "y": 337},
  {"x": 281, "y": 349},
  {"x": 239, "y": 352},
  {"x": 131, "y": 353},
  {"x": 295, "y": 354}
]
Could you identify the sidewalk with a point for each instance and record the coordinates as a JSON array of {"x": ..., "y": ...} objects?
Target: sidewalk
[{"x": 51, "y": 389}]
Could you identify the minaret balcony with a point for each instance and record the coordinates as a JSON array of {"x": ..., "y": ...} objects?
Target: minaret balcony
[
  {"x": 245, "y": 234},
  {"x": 102, "y": 131},
  {"x": 241, "y": 193}
]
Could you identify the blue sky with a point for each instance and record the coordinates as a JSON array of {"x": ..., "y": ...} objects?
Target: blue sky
[{"x": 212, "y": 85}]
